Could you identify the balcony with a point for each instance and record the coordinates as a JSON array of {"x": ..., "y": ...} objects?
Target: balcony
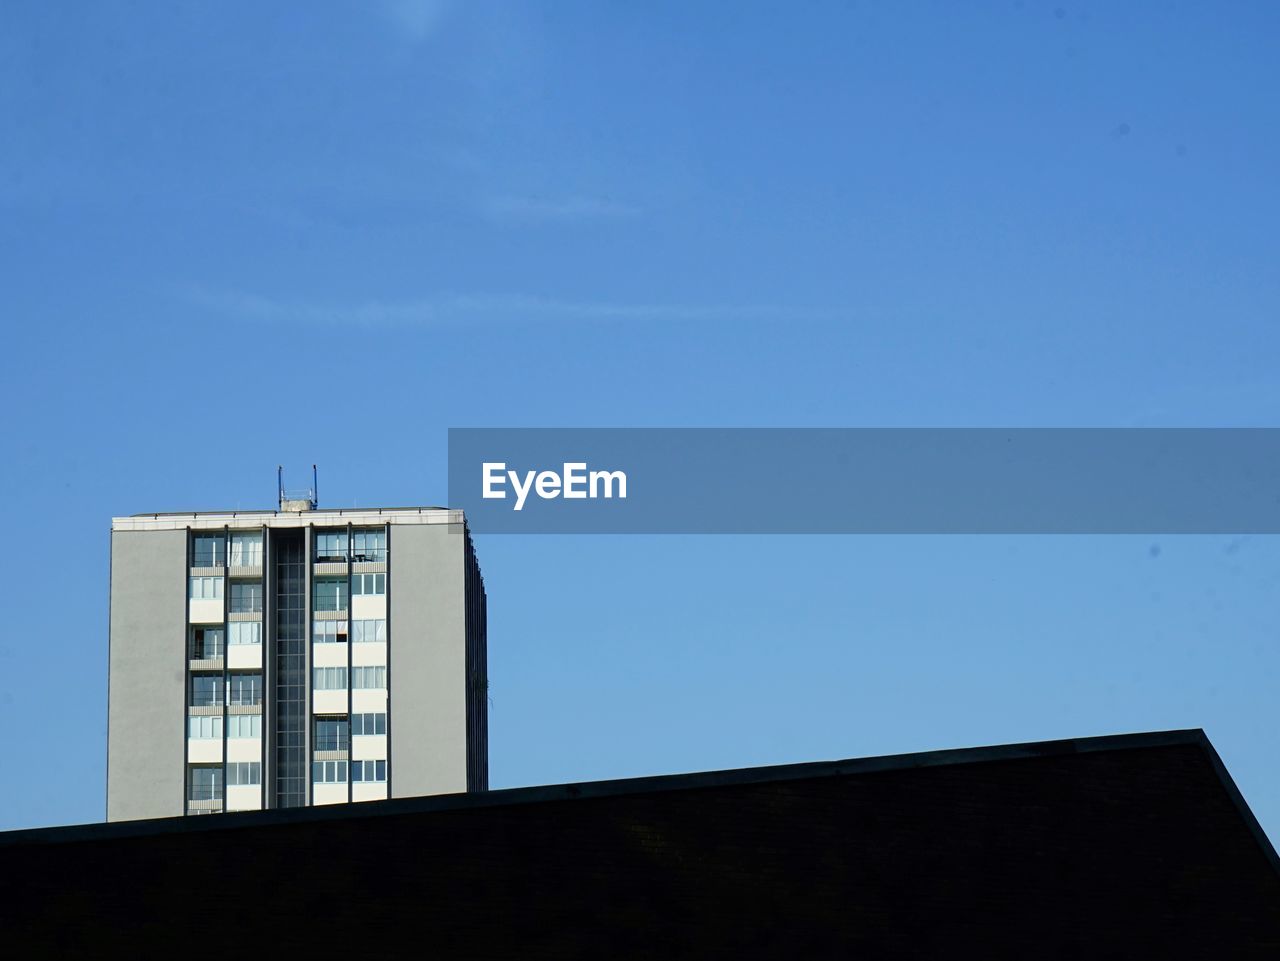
[
  {"x": 204, "y": 791},
  {"x": 332, "y": 742},
  {"x": 206, "y": 654},
  {"x": 206, "y": 700},
  {"x": 203, "y": 650},
  {"x": 245, "y": 597}
]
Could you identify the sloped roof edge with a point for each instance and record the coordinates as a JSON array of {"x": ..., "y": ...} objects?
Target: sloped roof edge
[{"x": 657, "y": 784}]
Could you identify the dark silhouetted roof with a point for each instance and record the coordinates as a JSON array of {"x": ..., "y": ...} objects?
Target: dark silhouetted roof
[{"x": 1135, "y": 846}]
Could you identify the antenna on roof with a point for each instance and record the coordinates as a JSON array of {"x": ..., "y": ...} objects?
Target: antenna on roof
[
  {"x": 296, "y": 501},
  {"x": 315, "y": 487}
]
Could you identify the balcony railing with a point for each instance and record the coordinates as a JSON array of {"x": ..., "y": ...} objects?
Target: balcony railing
[
  {"x": 339, "y": 554},
  {"x": 332, "y": 742},
  {"x": 207, "y": 650}
]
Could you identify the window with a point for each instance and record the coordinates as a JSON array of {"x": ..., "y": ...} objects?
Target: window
[
  {"x": 204, "y": 784},
  {"x": 366, "y": 724},
  {"x": 331, "y": 734},
  {"x": 368, "y": 677},
  {"x": 244, "y": 772},
  {"x": 369, "y": 545},
  {"x": 368, "y": 584},
  {"x": 330, "y": 594},
  {"x": 206, "y": 588},
  {"x": 246, "y": 549},
  {"x": 245, "y": 689},
  {"x": 245, "y": 632},
  {"x": 204, "y": 727},
  {"x": 329, "y": 632},
  {"x": 367, "y": 771},
  {"x": 246, "y": 597},
  {"x": 206, "y": 690},
  {"x": 330, "y": 678},
  {"x": 329, "y": 772},
  {"x": 244, "y": 725},
  {"x": 367, "y": 632},
  {"x": 331, "y": 546},
  {"x": 206, "y": 642},
  {"x": 207, "y": 550}
]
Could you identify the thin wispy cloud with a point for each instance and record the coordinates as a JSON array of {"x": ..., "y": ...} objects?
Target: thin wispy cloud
[
  {"x": 415, "y": 19},
  {"x": 557, "y": 209},
  {"x": 459, "y": 309}
]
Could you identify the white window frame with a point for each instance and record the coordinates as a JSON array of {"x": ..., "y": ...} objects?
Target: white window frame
[
  {"x": 372, "y": 630},
  {"x": 323, "y": 678},
  {"x": 327, "y": 632},
  {"x": 204, "y": 727},
  {"x": 236, "y": 723},
  {"x": 246, "y": 549},
  {"x": 377, "y": 584},
  {"x": 369, "y": 766},
  {"x": 244, "y": 774},
  {"x": 253, "y": 587},
  {"x": 364, "y": 732},
  {"x": 238, "y": 628},
  {"x": 329, "y": 771},
  {"x": 204, "y": 588},
  {"x": 361, "y": 675}
]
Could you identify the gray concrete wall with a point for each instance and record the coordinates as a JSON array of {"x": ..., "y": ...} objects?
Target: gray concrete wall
[
  {"x": 145, "y": 725},
  {"x": 427, "y": 633}
]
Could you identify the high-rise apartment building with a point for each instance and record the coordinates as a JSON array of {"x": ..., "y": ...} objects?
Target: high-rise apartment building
[{"x": 273, "y": 659}]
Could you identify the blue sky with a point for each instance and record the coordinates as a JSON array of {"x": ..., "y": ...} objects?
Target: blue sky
[{"x": 234, "y": 236}]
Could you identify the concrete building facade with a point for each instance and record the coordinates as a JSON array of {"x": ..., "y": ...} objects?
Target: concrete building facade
[{"x": 282, "y": 659}]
